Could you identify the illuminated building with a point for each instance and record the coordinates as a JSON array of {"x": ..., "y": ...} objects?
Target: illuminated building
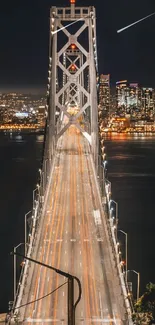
[
  {"x": 148, "y": 102},
  {"x": 16, "y": 107},
  {"x": 122, "y": 93},
  {"x": 128, "y": 98},
  {"x": 134, "y": 98},
  {"x": 104, "y": 95}
]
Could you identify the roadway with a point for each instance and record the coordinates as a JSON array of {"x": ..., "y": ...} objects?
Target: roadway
[{"x": 74, "y": 238}]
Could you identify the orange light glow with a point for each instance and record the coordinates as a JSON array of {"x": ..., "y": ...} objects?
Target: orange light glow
[
  {"x": 73, "y": 46},
  {"x": 73, "y": 67},
  {"x": 72, "y": 1}
]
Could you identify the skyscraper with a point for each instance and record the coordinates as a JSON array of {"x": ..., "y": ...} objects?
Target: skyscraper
[
  {"x": 104, "y": 94},
  {"x": 148, "y": 102},
  {"x": 128, "y": 98},
  {"x": 134, "y": 99},
  {"x": 122, "y": 93}
]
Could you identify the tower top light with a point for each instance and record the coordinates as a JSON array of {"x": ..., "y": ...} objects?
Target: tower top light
[{"x": 72, "y": 1}]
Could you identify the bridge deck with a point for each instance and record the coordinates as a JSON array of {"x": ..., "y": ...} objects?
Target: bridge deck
[{"x": 74, "y": 239}]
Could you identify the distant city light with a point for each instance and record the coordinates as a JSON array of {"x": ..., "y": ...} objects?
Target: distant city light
[{"x": 21, "y": 114}]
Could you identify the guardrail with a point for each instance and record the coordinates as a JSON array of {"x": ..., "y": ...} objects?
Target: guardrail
[
  {"x": 24, "y": 274},
  {"x": 105, "y": 193},
  {"x": 36, "y": 216}
]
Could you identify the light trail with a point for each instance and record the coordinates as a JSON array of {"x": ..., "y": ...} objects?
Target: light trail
[
  {"x": 73, "y": 197},
  {"x": 64, "y": 27},
  {"x": 136, "y": 22}
]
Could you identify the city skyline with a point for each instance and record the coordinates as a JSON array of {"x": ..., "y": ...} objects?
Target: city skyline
[
  {"x": 78, "y": 224},
  {"x": 24, "y": 55}
]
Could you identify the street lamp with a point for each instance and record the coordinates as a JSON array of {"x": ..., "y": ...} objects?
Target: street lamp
[
  {"x": 126, "y": 253},
  {"x": 71, "y": 278},
  {"x": 34, "y": 191},
  {"x": 40, "y": 171},
  {"x": 108, "y": 186},
  {"x": 14, "y": 268},
  {"x": 46, "y": 168},
  {"x": 138, "y": 281},
  {"x": 43, "y": 182},
  {"x": 116, "y": 204},
  {"x": 26, "y": 215}
]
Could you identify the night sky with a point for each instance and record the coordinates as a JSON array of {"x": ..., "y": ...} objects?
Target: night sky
[{"x": 24, "y": 35}]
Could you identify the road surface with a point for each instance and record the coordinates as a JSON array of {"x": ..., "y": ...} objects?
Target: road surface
[{"x": 74, "y": 239}]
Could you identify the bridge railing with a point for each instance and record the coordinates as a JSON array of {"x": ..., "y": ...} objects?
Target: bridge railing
[
  {"x": 37, "y": 211},
  {"x": 105, "y": 192}
]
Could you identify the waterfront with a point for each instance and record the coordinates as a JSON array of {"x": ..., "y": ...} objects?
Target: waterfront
[{"x": 131, "y": 168}]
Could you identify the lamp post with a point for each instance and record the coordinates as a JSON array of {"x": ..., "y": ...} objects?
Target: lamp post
[
  {"x": 40, "y": 171},
  {"x": 107, "y": 182},
  {"x": 126, "y": 253},
  {"x": 116, "y": 204},
  {"x": 43, "y": 182},
  {"x": 138, "y": 281},
  {"x": 34, "y": 191},
  {"x": 14, "y": 268},
  {"x": 26, "y": 215},
  {"x": 71, "y": 278},
  {"x": 46, "y": 169}
]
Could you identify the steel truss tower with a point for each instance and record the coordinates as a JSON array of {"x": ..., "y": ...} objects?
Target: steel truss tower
[{"x": 73, "y": 70}]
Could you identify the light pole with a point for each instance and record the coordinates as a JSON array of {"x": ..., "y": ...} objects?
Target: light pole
[
  {"x": 43, "y": 182},
  {"x": 126, "y": 253},
  {"x": 46, "y": 169},
  {"x": 14, "y": 268},
  {"x": 26, "y": 215},
  {"x": 138, "y": 281},
  {"x": 108, "y": 187},
  {"x": 116, "y": 204},
  {"x": 71, "y": 304},
  {"x": 34, "y": 191},
  {"x": 40, "y": 171}
]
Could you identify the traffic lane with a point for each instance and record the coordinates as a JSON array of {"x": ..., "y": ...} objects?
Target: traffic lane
[
  {"x": 61, "y": 301},
  {"x": 67, "y": 253},
  {"x": 43, "y": 240},
  {"x": 51, "y": 236},
  {"x": 58, "y": 245},
  {"x": 88, "y": 196},
  {"x": 59, "y": 240},
  {"x": 110, "y": 270},
  {"x": 33, "y": 290},
  {"x": 90, "y": 290},
  {"x": 86, "y": 261},
  {"x": 70, "y": 227}
]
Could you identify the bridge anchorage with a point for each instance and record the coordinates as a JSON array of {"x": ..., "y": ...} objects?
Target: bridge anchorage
[{"x": 72, "y": 229}]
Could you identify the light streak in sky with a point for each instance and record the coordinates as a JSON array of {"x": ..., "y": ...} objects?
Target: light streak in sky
[
  {"x": 136, "y": 22},
  {"x": 58, "y": 30}
]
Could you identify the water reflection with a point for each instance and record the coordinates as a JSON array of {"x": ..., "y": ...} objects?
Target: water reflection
[
  {"x": 130, "y": 137},
  {"x": 131, "y": 170}
]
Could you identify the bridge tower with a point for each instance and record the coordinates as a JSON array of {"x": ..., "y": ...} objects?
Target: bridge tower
[{"x": 72, "y": 79}]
